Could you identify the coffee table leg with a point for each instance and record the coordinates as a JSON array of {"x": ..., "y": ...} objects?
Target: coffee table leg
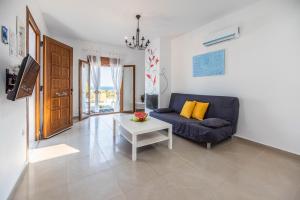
[
  {"x": 134, "y": 144},
  {"x": 170, "y": 137}
]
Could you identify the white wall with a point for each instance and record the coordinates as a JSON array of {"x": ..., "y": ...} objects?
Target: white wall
[
  {"x": 12, "y": 114},
  {"x": 81, "y": 49},
  {"x": 262, "y": 69},
  {"x": 165, "y": 72}
]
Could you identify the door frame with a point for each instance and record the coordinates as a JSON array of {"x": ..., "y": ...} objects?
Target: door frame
[
  {"x": 31, "y": 22},
  {"x": 45, "y": 85},
  {"x": 122, "y": 91},
  {"x": 80, "y": 88}
]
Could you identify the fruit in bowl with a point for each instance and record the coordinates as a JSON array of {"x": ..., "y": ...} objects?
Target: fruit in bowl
[{"x": 140, "y": 116}]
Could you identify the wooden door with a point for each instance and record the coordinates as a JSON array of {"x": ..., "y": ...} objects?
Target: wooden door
[
  {"x": 84, "y": 89},
  {"x": 58, "y": 89}
]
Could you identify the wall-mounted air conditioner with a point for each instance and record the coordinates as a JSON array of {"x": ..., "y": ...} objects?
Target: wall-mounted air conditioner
[{"x": 221, "y": 36}]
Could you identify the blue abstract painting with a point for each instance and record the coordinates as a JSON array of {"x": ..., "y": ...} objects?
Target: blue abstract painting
[{"x": 209, "y": 64}]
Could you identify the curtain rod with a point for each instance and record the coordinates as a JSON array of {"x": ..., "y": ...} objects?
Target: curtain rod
[{"x": 108, "y": 53}]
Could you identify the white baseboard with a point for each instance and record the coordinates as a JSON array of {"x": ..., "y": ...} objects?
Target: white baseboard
[
  {"x": 267, "y": 146},
  {"x": 18, "y": 182}
]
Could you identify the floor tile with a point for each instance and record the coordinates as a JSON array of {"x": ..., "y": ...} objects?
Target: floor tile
[
  {"x": 133, "y": 175},
  {"x": 99, "y": 186}
]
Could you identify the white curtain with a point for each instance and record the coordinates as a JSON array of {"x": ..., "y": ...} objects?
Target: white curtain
[
  {"x": 95, "y": 79},
  {"x": 117, "y": 75}
]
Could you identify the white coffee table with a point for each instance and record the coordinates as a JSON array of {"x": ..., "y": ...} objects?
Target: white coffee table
[{"x": 142, "y": 133}]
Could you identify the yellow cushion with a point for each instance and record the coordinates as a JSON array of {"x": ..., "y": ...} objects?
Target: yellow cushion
[
  {"x": 187, "y": 109},
  {"x": 200, "y": 110}
]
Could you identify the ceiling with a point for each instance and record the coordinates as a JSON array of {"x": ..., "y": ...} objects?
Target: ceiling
[{"x": 109, "y": 21}]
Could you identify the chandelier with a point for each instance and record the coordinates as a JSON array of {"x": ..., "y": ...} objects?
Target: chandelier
[{"x": 136, "y": 42}]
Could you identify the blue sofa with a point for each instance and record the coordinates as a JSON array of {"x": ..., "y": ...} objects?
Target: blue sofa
[{"x": 221, "y": 107}]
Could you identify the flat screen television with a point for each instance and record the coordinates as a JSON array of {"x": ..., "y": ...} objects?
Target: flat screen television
[{"x": 26, "y": 79}]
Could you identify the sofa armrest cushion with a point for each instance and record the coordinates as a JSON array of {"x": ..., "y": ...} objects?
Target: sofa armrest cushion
[
  {"x": 215, "y": 123},
  {"x": 163, "y": 110}
]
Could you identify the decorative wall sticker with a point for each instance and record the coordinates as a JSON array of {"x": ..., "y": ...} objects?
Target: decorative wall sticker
[
  {"x": 4, "y": 34},
  {"x": 151, "y": 71}
]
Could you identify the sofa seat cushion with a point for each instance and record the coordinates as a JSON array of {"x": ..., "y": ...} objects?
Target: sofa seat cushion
[
  {"x": 163, "y": 110},
  {"x": 172, "y": 118},
  {"x": 201, "y": 133},
  {"x": 192, "y": 129},
  {"x": 179, "y": 124}
]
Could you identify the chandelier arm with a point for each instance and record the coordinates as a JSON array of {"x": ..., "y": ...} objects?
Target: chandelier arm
[
  {"x": 142, "y": 43},
  {"x": 132, "y": 47},
  {"x": 142, "y": 48}
]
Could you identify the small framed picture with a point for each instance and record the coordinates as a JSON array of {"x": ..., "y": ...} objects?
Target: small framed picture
[{"x": 4, "y": 34}]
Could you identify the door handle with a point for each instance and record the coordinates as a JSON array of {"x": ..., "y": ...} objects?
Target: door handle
[{"x": 61, "y": 94}]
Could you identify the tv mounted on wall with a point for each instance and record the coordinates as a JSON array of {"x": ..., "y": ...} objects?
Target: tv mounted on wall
[{"x": 25, "y": 80}]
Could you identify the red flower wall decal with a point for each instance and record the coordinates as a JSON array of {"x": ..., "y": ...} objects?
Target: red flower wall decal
[
  {"x": 152, "y": 63},
  {"x": 148, "y": 76}
]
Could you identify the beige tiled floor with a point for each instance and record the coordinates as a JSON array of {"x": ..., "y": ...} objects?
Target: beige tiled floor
[{"x": 234, "y": 169}]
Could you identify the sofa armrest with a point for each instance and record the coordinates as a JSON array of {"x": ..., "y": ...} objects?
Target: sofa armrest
[{"x": 163, "y": 110}]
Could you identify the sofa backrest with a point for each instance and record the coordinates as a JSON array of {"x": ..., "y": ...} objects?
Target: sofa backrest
[{"x": 219, "y": 106}]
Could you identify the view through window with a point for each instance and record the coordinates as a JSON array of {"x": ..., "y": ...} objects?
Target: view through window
[{"x": 107, "y": 95}]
